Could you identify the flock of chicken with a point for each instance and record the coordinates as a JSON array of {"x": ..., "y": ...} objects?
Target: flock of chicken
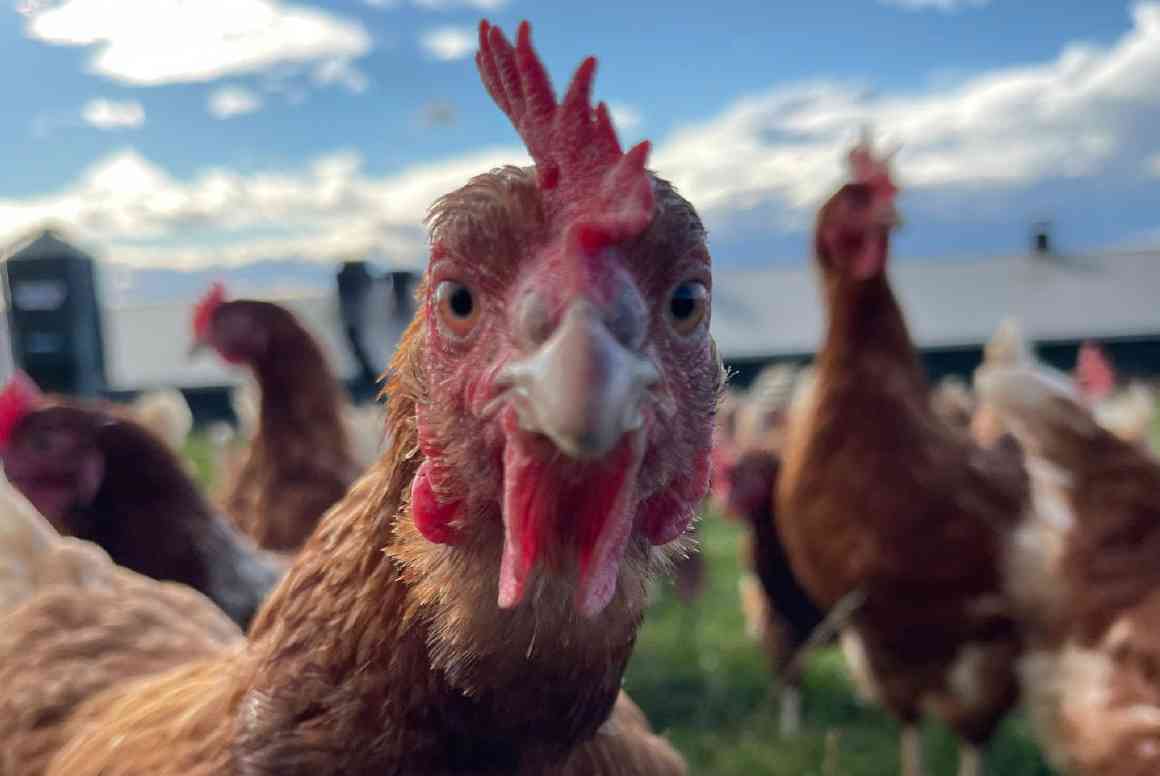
[{"x": 453, "y": 583}]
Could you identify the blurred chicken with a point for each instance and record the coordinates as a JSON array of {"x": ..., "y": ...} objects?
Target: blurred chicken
[
  {"x": 881, "y": 500},
  {"x": 32, "y": 555},
  {"x": 1007, "y": 348},
  {"x": 470, "y": 605},
  {"x": 73, "y": 625},
  {"x": 300, "y": 460},
  {"x": 625, "y": 745},
  {"x": 97, "y": 475},
  {"x": 724, "y": 450},
  {"x": 952, "y": 401},
  {"x": 1127, "y": 413},
  {"x": 778, "y": 613},
  {"x": 166, "y": 413},
  {"x": 1091, "y": 675},
  {"x": 363, "y": 422}
]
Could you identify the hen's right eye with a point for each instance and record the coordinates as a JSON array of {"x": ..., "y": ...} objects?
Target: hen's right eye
[{"x": 457, "y": 307}]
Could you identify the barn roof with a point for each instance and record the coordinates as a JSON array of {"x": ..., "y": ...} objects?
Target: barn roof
[{"x": 776, "y": 311}]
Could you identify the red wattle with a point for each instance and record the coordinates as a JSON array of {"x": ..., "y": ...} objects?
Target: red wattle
[
  {"x": 667, "y": 515},
  {"x": 432, "y": 518}
]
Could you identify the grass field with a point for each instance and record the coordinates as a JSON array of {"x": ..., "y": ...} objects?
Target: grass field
[{"x": 706, "y": 686}]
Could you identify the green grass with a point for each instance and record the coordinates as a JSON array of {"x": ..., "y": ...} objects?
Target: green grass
[
  {"x": 200, "y": 452},
  {"x": 706, "y": 686}
]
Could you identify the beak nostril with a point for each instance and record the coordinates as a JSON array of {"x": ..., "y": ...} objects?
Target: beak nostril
[
  {"x": 534, "y": 323},
  {"x": 581, "y": 388}
]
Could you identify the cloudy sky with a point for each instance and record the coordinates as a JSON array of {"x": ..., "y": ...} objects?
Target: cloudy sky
[{"x": 194, "y": 133}]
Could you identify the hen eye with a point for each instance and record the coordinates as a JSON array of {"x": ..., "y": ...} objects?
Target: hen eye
[
  {"x": 457, "y": 306},
  {"x": 687, "y": 306}
]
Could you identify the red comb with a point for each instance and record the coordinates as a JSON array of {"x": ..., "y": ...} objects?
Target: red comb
[
  {"x": 866, "y": 166},
  {"x": 20, "y": 397},
  {"x": 204, "y": 309},
  {"x": 580, "y": 168},
  {"x": 1094, "y": 372}
]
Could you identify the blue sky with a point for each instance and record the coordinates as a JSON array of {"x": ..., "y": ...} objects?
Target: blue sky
[{"x": 171, "y": 134}]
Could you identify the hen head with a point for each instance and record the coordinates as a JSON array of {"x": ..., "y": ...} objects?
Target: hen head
[
  {"x": 853, "y": 229},
  {"x": 239, "y": 331},
  {"x": 570, "y": 377},
  {"x": 49, "y": 451},
  {"x": 754, "y": 477},
  {"x": 1094, "y": 372}
]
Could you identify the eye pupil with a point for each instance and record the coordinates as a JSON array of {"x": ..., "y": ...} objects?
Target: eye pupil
[
  {"x": 687, "y": 307},
  {"x": 461, "y": 303},
  {"x": 683, "y": 303}
]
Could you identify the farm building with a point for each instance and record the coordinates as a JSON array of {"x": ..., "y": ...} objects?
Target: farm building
[
  {"x": 759, "y": 315},
  {"x": 954, "y": 307}
]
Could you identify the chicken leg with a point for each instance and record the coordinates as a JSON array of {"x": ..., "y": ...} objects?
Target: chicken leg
[
  {"x": 970, "y": 760},
  {"x": 911, "y": 746},
  {"x": 791, "y": 710}
]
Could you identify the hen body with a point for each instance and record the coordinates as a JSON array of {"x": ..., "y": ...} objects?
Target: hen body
[
  {"x": 77, "y": 625},
  {"x": 299, "y": 461},
  {"x": 99, "y": 476},
  {"x": 1090, "y": 673},
  {"x": 880, "y": 496}
]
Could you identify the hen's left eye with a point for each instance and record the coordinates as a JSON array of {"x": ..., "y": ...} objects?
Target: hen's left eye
[
  {"x": 458, "y": 308},
  {"x": 687, "y": 306}
]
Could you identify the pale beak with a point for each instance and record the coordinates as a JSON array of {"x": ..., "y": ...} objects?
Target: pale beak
[{"x": 583, "y": 389}]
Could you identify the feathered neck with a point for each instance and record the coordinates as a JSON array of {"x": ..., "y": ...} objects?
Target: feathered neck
[
  {"x": 867, "y": 340},
  {"x": 398, "y": 643},
  {"x": 301, "y": 402}
]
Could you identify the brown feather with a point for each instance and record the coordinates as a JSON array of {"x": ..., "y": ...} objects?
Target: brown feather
[{"x": 878, "y": 494}]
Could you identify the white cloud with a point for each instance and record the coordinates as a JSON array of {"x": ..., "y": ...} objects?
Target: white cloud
[
  {"x": 441, "y": 5},
  {"x": 945, "y": 6},
  {"x": 341, "y": 71},
  {"x": 141, "y": 215},
  {"x": 625, "y": 117},
  {"x": 1082, "y": 114},
  {"x": 766, "y": 159},
  {"x": 230, "y": 101},
  {"x": 150, "y": 42},
  {"x": 447, "y": 5},
  {"x": 113, "y": 114},
  {"x": 449, "y": 43}
]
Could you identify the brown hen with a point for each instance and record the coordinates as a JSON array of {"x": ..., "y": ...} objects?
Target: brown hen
[
  {"x": 300, "y": 462},
  {"x": 97, "y": 475},
  {"x": 1093, "y": 674},
  {"x": 879, "y": 497},
  {"x": 471, "y": 603}
]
